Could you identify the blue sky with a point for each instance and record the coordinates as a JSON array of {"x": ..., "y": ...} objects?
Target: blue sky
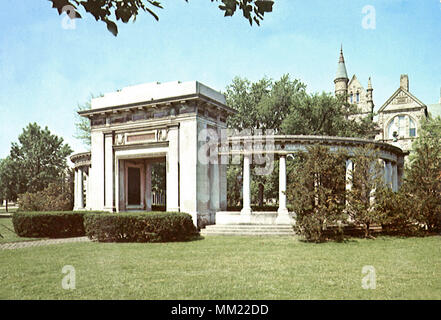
[{"x": 45, "y": 70}]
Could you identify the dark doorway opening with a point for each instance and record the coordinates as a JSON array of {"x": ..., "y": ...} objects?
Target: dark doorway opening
[{"x": 134, "y": 186}]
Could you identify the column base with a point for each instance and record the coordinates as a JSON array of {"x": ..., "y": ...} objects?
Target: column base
[
  {"x": 283, "y": 217},
  {"x": 245, "y": 215}
]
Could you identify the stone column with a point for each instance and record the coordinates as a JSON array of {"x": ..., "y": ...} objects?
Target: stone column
[
  {"x": 172, "y": 176},
  {"x": 349, "y": 169},
  {"x": 97, "y": 171},
  {"x": 215, "y": 186},
  {"x": 88, "y": 189},
  {"x": 282, "y": 213},
  {"x": 394, "y": 177},
  {"x": 120, "y": 185},
  {"x": 348, "y": 178},
  {"x": 76, "y": 188},
  {"x": 109, "y": 177},
  {"x": 148, "y": 186},
  {"x": 246, "y": 209},
  {"x": 389, "y": 173},
  {"x": 385, "y": 171},
  {"x": 80, "y": 189}
]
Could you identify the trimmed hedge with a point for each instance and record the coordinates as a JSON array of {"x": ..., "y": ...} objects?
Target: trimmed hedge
[
  {"x": 139, "y": 227},
  {"x": 63, "y": 224}
]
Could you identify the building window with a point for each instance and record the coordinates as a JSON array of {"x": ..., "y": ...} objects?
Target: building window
[
  {"x": 412, "y": 128},
  {"x": 398, "y": 128},
  {"x": 358, "y": 97},
  {"x": 351, "y": 97}
]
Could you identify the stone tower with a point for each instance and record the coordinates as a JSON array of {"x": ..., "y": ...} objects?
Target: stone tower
[
  {"x": 341, "y": 78},
  {"x": 369, "y": 96},
  {"x": 354, "y": 90}
]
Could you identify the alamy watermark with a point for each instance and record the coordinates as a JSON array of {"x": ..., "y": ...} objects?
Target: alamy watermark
[
  {"x": 69, "y": 280},
  {"x": 369, "y": 281},
  {"x": 216, "y": 148},
  {"x": 68, "y": 21},
  {"x": 369, "y": 20}
]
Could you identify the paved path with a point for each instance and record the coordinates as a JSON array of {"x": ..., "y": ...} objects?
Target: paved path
[{"x": 39, "y": 243}]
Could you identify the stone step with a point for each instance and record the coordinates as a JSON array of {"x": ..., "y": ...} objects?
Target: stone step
[
  {"x": 248, "y": 230},
  {"x": 230, "y": 233},
  {"x": 249, "y": 226}
]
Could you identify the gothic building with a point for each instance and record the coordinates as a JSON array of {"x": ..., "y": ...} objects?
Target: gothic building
[
  {"x": 357, "y": 94},
  {"x": 398, "y": 119}
]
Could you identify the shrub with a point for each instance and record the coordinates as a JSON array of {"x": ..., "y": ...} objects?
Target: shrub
[
  {"x": 48, "y": 224},
  {"x": 423, "y": 175},
  {"x": 316, "y": 193},
  {"x": 396, "y": 213},
  {"x": 56, "y": 197},
  {"x": 139, "y": 227}
]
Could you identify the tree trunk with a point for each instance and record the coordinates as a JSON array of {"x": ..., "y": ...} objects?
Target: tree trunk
[{"x": 6, "y": 205}]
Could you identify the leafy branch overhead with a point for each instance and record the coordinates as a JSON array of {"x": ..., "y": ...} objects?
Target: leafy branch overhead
[{"x": 125, "y": 10}]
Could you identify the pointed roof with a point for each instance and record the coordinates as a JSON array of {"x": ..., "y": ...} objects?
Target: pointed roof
[
  {"x": 398, "y": 91},
  {"x": 370, "y": 84},
  {"x": 341, "y": 69}
]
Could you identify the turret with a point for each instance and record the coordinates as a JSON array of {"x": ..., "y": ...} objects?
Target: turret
[
  {"x": 341, "y": 78},
  {"x": 370, "y": 98}
]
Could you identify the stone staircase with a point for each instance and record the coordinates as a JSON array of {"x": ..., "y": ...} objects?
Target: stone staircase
[{"x": 247, "y": 230}]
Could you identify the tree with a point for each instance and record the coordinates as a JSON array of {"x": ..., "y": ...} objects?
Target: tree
[
  {"x": 8, "y": 184},
  {"x": 105, "y": 10},
  {"x": 263, "y": 104},
  {"x": 326, "y": 115},
  {"x": 82, "y": 124},
  {"x": 317, "y": 192},
  {"x": 423, "y": 175},
  {"x": 39, "y": 158}
]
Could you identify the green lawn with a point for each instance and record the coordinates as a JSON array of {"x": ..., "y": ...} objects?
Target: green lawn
[
  {"x": 10, "y": 210},
  {"x": 7, "y": 232},
  {"x": 226, "y": 268}
]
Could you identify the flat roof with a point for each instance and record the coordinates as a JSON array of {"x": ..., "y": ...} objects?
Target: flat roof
[{"x": 149, "y": 92}]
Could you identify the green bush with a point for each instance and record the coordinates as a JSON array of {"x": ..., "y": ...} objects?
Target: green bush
[
  {"x": 139, "y": 227},
  {"x": 48, "y": 224},
  {"x": 423, "y": 175},
  {"x": 56, "y": 197},
  {"x": 396, "y": 213},
  {"x": 316, "y": 192}
]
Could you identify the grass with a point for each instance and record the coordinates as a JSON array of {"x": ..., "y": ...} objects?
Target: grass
[
  {"x": 226, "y": 268},
  {"x": 7, "y": 232},
  {"x": 10, "y": 209}
]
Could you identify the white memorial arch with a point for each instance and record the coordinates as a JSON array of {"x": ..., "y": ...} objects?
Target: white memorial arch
[{"x": 138, "y": 126}]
